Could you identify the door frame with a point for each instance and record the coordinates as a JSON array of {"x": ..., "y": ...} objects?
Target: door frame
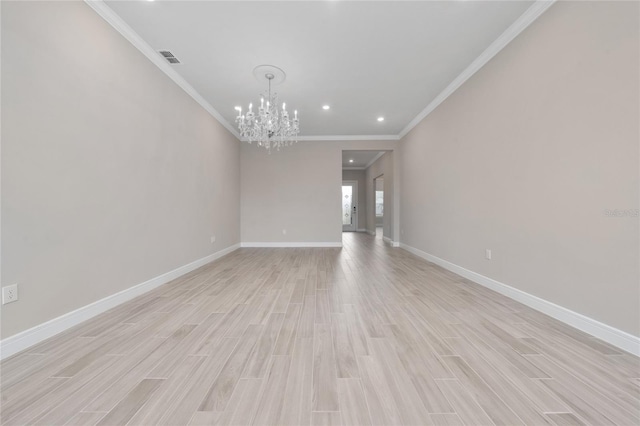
[
  {"x": 375, "y": 225},
  {"x": 354, "y": 196}
]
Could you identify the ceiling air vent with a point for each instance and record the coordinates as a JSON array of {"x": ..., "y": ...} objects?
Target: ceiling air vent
[{"x": 169, "y": 57}]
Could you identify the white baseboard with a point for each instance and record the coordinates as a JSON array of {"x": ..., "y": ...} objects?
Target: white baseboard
[
  {"x": 292, "y": 244},
  {"x": 614, "y": 336},
  {"x": 371, "y": 232},
  {"x": 361, "y": 230},
  {"x": 391, "y": 242},
  {"x": 23, "y": 340}
]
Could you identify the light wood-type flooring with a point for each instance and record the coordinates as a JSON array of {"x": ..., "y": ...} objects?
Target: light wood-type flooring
[{"x": 366, "y": 334}]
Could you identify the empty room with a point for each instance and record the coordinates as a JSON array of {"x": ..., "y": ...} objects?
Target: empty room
[{"x": 320, "y": 212}]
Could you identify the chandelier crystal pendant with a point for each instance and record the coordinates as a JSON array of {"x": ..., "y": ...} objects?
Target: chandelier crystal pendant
[{"x": 271, "y": 127}]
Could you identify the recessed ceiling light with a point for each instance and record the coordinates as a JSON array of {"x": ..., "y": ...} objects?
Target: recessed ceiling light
[
  {"x": 325, "y": 107},
  {"x": 351, "y": 161},
  {"x": 380, "y": 118}
]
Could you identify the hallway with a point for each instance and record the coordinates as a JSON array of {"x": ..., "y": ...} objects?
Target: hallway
[{"x": 366, "y": 334}]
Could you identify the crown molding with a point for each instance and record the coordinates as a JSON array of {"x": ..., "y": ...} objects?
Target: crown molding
[
  {"x": 526, "y": 19},
  {"x": 350, "y": 138},
  {"x": 354, "y": 168},
  {"x": 101, "y": 8},
  {"x": 326, "y": 138}
]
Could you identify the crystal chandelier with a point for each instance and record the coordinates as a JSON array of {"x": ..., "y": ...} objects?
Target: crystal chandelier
[{"x": 271, "y": 127}]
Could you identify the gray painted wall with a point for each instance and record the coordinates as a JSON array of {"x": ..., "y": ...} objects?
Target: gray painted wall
[
  {"x": 111, "y": 174},
  {"x": 299, "y": 189},
  {"x": 528, "y": 155}
]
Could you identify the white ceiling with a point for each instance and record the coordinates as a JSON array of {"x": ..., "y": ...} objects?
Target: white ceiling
[
  {"x": 361, "y": 159},
  {"x": 363, "y": 58}
]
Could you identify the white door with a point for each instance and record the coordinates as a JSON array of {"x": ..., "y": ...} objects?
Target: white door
[{"x": 349, "y": 205}]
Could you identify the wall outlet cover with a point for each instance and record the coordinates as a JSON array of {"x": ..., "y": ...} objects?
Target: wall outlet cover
[{"x": 9, "y": 294}]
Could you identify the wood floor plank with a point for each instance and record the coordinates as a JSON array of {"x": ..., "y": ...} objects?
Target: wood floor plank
[
  {"x": 248, "y": 405},
  {"x": 258, "y": 362},
  {"x": 571, "y": 397},
  {"x": 287, "y": 335},
  {"x": 271, "y": 403},
  {"x": 297, "y": 398},
  {"x": 353, "y": 404},
  {"x": 169, "y": 349},
  {"x": 522, "y": 403},
  {"x": 463, "y": 402},
  {"x": 486, "y": 397},
  {"x": 357, "y": 333},
  {"x": 235, "y": 402},
  {"x": 104, "y": 382},
  {"x": 39, "y": 411},
  {"x": 188, "y": 396},
  {"x": 323, "y": 313},
  {"x": 204, "y": 418},
  {"x": 544, "y": 400},
  {"x": 307, "y": 317},
  {"x": 263, "y": 311},
  {"x": 605, "y": 381},
  {"x": 131, "y": 403},
  {"x": 565, "y": 419},
  {"x": 326, "y": 418},
  {"x": 410, "y": 406},
  {"x": 446, "y": 419},
  {"x": 86, "y": 418},
  {"x": 23, "y": 400},
  {"x": 218, "y": 395},
  {"x": 346, "y": 363},
  {"x": 171, "y": 389},
  {"x": 605, "y": 403},
  {"x": 325, "y": 385},
  {"x": 380, "y": 400}
]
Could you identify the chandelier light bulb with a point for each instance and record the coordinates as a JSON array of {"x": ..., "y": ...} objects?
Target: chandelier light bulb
[
  {"x": 250, "y": 107},
  {"x": 284, "y": 106}
]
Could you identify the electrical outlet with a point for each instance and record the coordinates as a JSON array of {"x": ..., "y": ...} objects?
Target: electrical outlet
[
  {"x": 9, "y": 294},
  {"x": 487, "y": 254},
  {"x": 213, "y": 239},
  {"x": 284, "y": 232}
]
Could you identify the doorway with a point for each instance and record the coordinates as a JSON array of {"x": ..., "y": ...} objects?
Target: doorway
[
  {"x": 378, "y": 208},
  {"x": 349, "y": 206}
]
